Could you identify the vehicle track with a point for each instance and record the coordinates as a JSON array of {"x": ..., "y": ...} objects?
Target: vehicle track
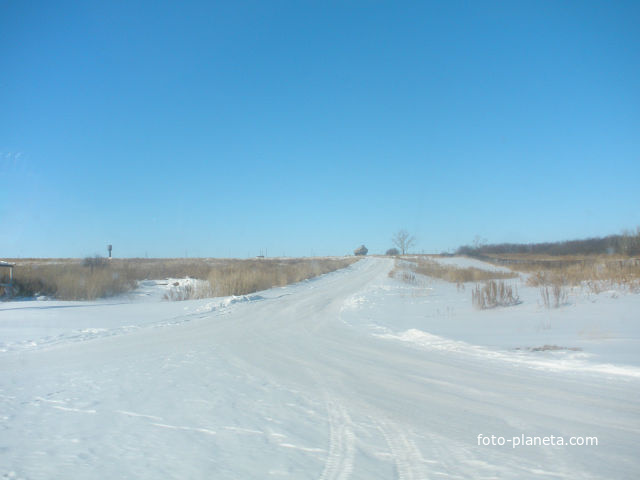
[
  {"x": 406, "y": 455},
  {"x": 339, "y": 463}
]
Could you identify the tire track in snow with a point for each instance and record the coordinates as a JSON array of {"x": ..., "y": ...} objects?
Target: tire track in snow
[
  {"x": 339, "y": 463},
  {"x": 406, "y": 455}
]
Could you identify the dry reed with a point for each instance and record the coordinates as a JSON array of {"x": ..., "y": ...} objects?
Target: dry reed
[
  {"x": 595, "y": 275},
  {"x": 457, "y": 275},
  {"x": 494, "y": 294},
  {"x": 76, "y": 279}
]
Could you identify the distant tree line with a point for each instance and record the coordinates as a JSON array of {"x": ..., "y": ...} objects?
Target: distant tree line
[{"x": 627, "y": 243}]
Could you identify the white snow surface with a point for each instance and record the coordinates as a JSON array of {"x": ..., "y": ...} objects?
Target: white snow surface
[{"x": 351, "y": 375}]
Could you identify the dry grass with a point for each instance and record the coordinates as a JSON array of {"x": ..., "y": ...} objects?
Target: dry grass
[
  {"x": 554, "y": 275},
  {"x": 556, "y": 298},
  {"x": 402, "y": 274},
  {"x": 77, "y": 279},
  {"x": 494, "y": 294},
  {"x": 596, "y": 274},
  {"x": 69, "y": 280},
  {"x": 240, "y": 277},
  {"x": 457, "y": 275}
]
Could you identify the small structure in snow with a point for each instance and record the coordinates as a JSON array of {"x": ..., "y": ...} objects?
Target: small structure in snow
[
  {"x": 8, "y": 287},
  {"x": 361, "y": 251}
]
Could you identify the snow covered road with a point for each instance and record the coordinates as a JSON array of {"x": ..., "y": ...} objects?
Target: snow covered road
[{"x": 308, "y": 381}]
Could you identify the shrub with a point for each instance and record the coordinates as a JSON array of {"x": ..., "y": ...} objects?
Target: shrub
[
  {"x": 494, "y": 294},
  {"x": 558, "y": 293},
  {"x": 392, "y": 252},
  {"x": 403, "y": 275}
]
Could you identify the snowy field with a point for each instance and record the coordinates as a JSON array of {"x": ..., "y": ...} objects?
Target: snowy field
[{"x": 351, "y": 375}]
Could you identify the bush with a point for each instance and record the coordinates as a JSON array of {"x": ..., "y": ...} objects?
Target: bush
[
  {"x": 559, "y": 296},
  {"x": 403, "y": 275},
  {"x": 392, "y": 252},
  {"x": 494, "y": 294}
]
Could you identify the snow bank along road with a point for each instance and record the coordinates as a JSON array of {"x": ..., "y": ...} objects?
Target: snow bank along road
[{"x": 307, "y": 381}]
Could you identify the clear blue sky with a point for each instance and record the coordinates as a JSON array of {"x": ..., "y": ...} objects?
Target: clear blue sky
[{"x": 300, "y": 128}]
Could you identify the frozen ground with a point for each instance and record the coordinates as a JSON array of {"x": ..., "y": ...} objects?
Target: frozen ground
[{"x": 352, "y": 375}]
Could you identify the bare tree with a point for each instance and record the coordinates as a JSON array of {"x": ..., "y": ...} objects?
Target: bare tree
[{"x": 403, "y": 240}]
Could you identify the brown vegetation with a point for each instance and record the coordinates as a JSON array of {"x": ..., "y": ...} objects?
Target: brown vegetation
[
  {"x": 402, "y": 274},
  {"x": 494, "y": 294},
  {"x": 558, "y": 292},
  {"x": 69, "y": 280},
  {"x": 240, "y": 277},
  {"x": 454, "y": 274},
  {"x": 554, "y": 275},
  {"x": 76, "y": 279},
  {"x": 594, "y": 273}
]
